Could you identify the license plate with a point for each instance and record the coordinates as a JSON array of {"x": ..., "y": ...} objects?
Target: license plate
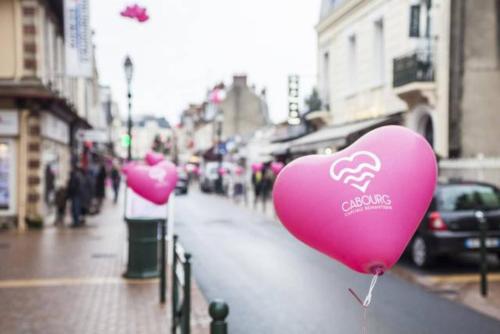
[{"x": 490, "y": 243}]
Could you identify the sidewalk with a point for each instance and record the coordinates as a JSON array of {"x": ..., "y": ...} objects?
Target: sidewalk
[
  {"x": 64, "y": 280},
  {"x": 461, "y": 287}
]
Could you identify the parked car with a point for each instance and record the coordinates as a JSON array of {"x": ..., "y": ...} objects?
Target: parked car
[
  {"x": 450, "y": 225},
  {"x": 182, "y": 185}
]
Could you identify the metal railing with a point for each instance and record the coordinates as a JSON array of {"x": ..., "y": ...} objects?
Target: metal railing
[
  {"x": 414, "y": 67},
  {"x": 181, "y": 289},
  {"x": 181, "y": 297}
]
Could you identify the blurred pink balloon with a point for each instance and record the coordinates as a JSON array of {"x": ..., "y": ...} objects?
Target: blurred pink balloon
[
  {"x": 222, "y": 171},
  {"x": 154, "y": 183},
  {"x": 153, "y": 158},
  {"x": 257, "y": 167},
  {"x": 126, "y": 166},
  {"x": 276, "y": 167},
  {"x": 135, "y": 12},
  {"x": 216, "y": 96},
  {"x": 362, "y": 205},
  {"x": 238, "y": 170}
]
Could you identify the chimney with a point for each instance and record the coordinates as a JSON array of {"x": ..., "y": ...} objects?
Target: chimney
[{"x": 240, "y": 80}]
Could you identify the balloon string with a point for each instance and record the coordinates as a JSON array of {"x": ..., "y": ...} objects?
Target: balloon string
[{"x": 368, "y": 297}]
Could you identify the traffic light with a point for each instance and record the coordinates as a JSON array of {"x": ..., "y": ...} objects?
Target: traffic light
[{"x": 126, "y": 140}]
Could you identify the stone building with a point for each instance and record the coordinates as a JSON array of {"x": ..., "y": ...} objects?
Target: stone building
[
  {"x": 430, "y": 65},
  {"x": 244, "y": 111},
  {"x": 146, "y": 129},
  {"x": 41, "y": 108}
]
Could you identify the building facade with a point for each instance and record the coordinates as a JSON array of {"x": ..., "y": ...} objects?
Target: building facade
[
  {"x": 244, "y": 111},
  {"x": 41, "y": 108},
  {"x": 145, "y": 131},
  {"x": 434, "y": 64}
]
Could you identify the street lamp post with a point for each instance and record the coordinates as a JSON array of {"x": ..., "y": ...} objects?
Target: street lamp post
[
  {"x": 129, "y": 71},
  {"x": 219, "y": 120}
]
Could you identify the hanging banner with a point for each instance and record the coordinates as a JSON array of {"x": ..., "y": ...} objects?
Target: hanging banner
[{"x": 78, "y": 42}]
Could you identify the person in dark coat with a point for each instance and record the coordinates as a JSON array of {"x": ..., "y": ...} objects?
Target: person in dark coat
[
  {"x": 257, "y": 186},
  {"x": 75, "y": 194},
  {"x": 100, "y": 185},
  {"x": 115, "y": 181},
  {"x": 60, "y": 201},
  {"x": 267, "y": 185}
]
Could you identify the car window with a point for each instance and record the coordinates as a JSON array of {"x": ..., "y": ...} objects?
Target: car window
[{"x": 468, "y": 197}]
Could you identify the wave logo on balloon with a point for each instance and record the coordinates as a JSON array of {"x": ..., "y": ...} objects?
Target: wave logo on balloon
[
  {"x": 356, "y": 170},
  {"x": 157, "y": 174}
]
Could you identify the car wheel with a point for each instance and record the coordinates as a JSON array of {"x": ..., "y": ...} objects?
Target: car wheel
[{"x": 420, "y": 252}]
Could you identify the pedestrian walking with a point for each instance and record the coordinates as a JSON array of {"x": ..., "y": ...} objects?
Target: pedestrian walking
[
  {"x": 61, "y": 198},
  {"x": 87, "y": 193},
  {"x": 266, "y": 185},
  {"x": 257, "y": 186},
  {"x": 100, "y": 185},
  {"x": 238, "y": 184},
  {"x": 75, "y": 194},
  {"x": 115, "y": 182}
]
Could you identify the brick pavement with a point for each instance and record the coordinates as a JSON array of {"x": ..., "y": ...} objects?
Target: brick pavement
[{"x": 63, "y": 280}]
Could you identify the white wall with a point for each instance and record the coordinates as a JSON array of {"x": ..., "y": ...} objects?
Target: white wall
[{"x": 364, "y": 93}]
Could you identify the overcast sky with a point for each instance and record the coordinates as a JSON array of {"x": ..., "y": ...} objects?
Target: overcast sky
[{"x": 189, "y": 45}]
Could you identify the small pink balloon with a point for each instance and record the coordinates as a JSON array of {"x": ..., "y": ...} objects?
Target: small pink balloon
[
  {"x": 276, "y": 167},
  {"x": 257, "y": 167},
  {"x": 190, "y": 168},
  {"x": 238, "y": 170},
  {"x": 222, "y": 171},
  {"x": 153, "y": 158},
  {"x": 362, "y": 205},
  {"x": 154, "y": 183}
]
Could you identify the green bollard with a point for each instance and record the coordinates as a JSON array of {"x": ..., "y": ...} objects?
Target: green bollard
[{"x": 218, "y": 311}]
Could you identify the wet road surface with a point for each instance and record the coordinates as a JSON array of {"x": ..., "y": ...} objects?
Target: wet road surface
[{"x": 275, "y": 284}]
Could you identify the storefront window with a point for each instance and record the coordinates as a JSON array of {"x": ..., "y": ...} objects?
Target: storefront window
[{"x": 5, "y": 191}]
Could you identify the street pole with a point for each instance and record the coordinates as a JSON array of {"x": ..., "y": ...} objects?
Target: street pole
[
  {"x": 163, "y": 261},
  {"x": 483, "y": 252},
  {"x": 129, "y": 124},
  {"x": 129, "y": 72}
]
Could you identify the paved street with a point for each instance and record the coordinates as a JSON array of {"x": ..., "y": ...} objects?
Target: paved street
[{"x": 274, "y": 284}]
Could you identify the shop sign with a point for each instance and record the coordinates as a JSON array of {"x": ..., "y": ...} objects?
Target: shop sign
[
  {"x": 54, "y": 128},
  {"x": 95, "y": 135},
  {"x": 9, "y": 123}
]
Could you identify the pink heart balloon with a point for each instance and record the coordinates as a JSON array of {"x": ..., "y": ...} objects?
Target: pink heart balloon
[
  {"x": 154, "y": 183},
  {"x": 222, "y": 171},
  {"x": 238, "y": 170},
  {"x": 362, "y": 205},
  {"x": 127, "y": 166},
  {"x": 153, "y": 158},
  {"x": 257, "y": 166},
  {"x": 276, "y": 167}
]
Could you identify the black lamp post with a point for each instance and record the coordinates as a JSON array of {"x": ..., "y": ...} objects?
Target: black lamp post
[{"x": 129, "y": 71}]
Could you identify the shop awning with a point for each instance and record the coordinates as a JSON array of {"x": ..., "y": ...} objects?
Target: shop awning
[{"x": 333, "y": 135}]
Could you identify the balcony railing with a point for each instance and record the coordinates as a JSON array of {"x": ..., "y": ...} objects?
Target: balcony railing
[{"x": 414, "y": 67}]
